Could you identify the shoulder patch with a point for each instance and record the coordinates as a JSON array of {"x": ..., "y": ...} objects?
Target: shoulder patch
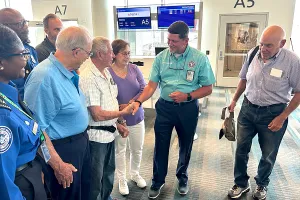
[
  {"x": 3, "y": 104},
  {"x": 6, "y": 139}
]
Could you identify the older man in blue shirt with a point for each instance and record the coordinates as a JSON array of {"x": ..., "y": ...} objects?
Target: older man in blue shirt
[
  {"x": 52, "y": 93},
  {"x": 184, "y": 75},
  {"x": 267, "y": 81}
]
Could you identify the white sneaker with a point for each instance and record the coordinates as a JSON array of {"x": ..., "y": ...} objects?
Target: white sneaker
[
  {"x": 141, "y": 183},
  {"x": 123, "y": 187}
]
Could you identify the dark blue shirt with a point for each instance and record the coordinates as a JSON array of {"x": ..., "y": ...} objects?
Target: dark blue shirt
[
  {"x": 19, "y": 140},
  {"x": 31, "y": 63}
]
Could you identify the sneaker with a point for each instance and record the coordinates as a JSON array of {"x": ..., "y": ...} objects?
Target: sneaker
[
  {"x": 236, "y": 191},
  {"x": 123, "y": 187},
  {"x": 195, "y": 136},
  {"x": 183, "y": 189},
  {"x": 141, "y": 183},
  {"x": 154, "y": 193},
  {"x": 260, "y": 192}
]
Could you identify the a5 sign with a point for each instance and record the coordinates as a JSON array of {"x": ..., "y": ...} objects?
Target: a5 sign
[{"x": 250, "y": 3}]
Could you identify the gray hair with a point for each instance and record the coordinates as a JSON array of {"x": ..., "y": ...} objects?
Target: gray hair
[
  {"x": 100, "y": 44},
  {"x": 72, "y": 37}
]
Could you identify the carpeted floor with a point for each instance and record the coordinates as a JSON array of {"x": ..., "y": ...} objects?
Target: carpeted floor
[{"x": 211, "y": 164}]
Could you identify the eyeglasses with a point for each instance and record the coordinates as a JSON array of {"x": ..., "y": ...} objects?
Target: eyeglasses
[
  {"x": 25, "y": 54},
  {"x": 125, "y": 53},
  {"x": 89, "y": 53},
  {"x": 19, "y": 25}
]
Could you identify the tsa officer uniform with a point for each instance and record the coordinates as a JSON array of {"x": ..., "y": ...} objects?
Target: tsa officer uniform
[
  {"x": 20, "y": 138},
  {"x": 31, "y": 63},
  {"x": 186, "y": 73}
]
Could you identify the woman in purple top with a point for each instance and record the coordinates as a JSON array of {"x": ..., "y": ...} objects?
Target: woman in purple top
[{"x": 131, "y": 83}]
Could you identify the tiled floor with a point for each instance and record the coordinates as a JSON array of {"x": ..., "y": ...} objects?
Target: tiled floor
[{"x": 211, "y": 164}]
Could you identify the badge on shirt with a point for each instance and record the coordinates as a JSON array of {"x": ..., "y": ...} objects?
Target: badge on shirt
[
  {"x": 276, "y": 72},
  {"x": 45, "y": 151},
  {"x": 190, "y": 75},
  {"x": 6, "y": 139},
  {"x": 192, "y": 64},
  {"x": 33, "y": 60},
  {"x": 35, "y": 128},
  {"x": 112, "y": 81}
]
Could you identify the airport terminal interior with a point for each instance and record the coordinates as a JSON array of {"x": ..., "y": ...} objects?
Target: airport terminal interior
[{"x": 223, "y": 30}]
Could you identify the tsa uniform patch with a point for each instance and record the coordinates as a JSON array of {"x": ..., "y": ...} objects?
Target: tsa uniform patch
[{"x": 6, "y": 139}]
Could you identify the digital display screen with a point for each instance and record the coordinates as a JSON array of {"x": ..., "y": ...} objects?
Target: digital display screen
[
  {"x": 134, "y": 18},
  {"x": 166, "y": 15}
]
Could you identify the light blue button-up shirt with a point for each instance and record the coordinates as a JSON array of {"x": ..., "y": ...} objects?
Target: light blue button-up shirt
[
  {"x": 187, "y": 73},
  {"x": 271, "y": 83},
  {"x": 58, "y": 106}
]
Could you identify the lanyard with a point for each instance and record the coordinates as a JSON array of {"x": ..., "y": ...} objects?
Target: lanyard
[
  {"x": 42, "y": 137},
  {"x": 13, "y": 104}
]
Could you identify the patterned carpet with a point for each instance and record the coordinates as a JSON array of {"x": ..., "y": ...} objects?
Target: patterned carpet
[{"x": 211, "y": 164}]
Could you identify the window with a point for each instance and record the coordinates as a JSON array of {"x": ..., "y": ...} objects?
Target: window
[{"x": 143, "y": 42}]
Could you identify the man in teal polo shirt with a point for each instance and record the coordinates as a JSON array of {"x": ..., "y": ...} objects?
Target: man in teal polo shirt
[{"x": 184, "y": 75}]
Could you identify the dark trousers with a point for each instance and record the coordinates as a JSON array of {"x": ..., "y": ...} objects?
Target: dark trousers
[
  {"x": 76, "y": 152},
  {"x": 184, "y": 118},
  {"x": 29, "y": 181},
  {"x": 254, "y": 120},
  {"x": 103, "y": 170}
]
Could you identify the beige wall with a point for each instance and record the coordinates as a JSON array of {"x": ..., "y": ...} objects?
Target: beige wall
[{"x": 280, "y": 12}]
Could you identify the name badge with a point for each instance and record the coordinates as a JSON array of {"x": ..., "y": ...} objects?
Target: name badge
[
  {"x": 276, "y": 72},
  {"x": 45, "y": 151},
  {"x": 35, "y": 128},
  {"x": 190, "y": 75}
]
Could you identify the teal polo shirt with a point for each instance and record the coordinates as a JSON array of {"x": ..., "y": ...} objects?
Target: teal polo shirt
[{"x": 187, "y": 73}]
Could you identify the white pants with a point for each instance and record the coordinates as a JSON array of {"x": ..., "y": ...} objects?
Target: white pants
[{"x": 136, "y": 142}]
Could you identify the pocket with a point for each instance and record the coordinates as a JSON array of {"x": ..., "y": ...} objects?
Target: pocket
[
  {"x": 276, "y": 110},
  {"x": 274, "y": 84}
]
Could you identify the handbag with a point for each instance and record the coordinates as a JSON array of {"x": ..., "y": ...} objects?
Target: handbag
[{"x": 228, "y": 125}]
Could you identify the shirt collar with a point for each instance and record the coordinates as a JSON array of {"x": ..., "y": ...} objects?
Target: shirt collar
[
  {"x": 60, "y": 66},
  {"x": 47, "y": 41},
  {"x": 273, "y": 57},
  {"x": 96, "y": 71},
  {"x": 9, "y": 90}
]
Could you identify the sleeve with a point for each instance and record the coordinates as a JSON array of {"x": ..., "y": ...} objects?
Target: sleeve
[
  {"x": 155, "y": 71},
  {"x": 141, "y": 80},
  {"x": 9, "y": 150},
  {"x": 43, "y": 100},
  {"x": 295, "y": 76},
  {"x": 91, "y": 92},
  {"x": 206, "y": 75}
]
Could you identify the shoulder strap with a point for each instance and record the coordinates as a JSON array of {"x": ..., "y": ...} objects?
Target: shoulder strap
[
  {"x": 3, "y": 104},
  {"x": 253, "y": 54}
]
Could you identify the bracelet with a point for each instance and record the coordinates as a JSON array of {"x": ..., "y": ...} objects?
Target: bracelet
[{"x": 138, "y": 102}]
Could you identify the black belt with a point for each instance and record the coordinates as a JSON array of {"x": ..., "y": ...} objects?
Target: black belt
[
  {"x": 111, "y": 129},
  {"x": 68, "y": 139},
  {"x": 23, "y": 166},
  {"x": 176, "y": 104},
  {"x": 257, "y": 106}
]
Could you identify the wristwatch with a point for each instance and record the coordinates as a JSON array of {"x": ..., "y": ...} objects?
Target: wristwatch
[
  {"x": 121, "y": 121},
  {"x": 189, "y": 97}
]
